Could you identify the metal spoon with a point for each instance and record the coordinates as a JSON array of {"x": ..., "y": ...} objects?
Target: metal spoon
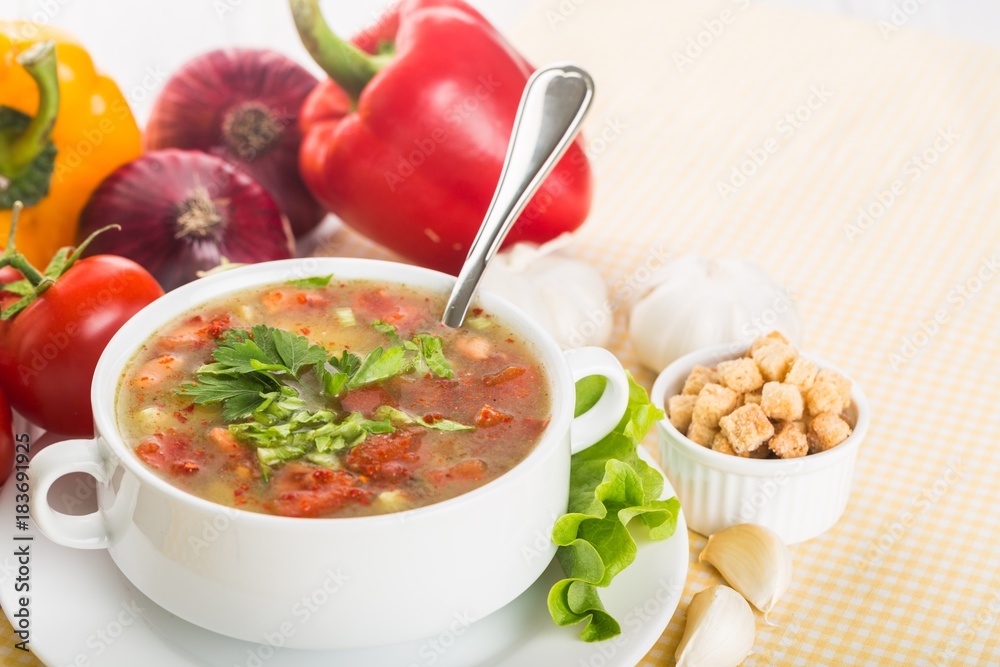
[{"x": 555, "y": 100}]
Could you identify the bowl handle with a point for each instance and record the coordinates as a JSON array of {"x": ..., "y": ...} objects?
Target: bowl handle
[
  {"x": 48, "y": 465},
  {"x": 599, "y": 420}
]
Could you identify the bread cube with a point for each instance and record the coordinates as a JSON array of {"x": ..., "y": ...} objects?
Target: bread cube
[
  {"x": 747, "y": 428},
  {"x": 752, "y": 397},
  {"x": 681, "y": 407},
  {"x": 698, "y": 378},
  {"x": 767, "y": 339},
  {"x": 788, "y": 441},
  {"x": 774, "y": 360},
  {"x": 740, "y": 375},
  {"x": 762, "y": 452},
  {"x": 802, "y": 373},
  {"x": 714, "y": 402},
  {"x": 701, "y": 434},
  {"x": 781, "y": 401},
  {"x": 827, "y": 430},
  {"x": 720, "y": 443},
  {"x": 830, "y": 392}
]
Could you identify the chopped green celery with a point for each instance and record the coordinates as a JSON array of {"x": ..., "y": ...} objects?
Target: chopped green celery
[{"x": 346, "y": 317}]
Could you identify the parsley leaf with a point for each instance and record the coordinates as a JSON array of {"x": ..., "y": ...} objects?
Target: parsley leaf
[
  {"x": 315, "y": 281},
  {"x": 239, "y": 357},
  {"x": 240, "y": 396},
  {"x": 295, "y": 351},
  {"x": 348, "y": 362}
]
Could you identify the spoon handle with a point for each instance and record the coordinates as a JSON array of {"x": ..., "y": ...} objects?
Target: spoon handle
[{"x": 555, "y": 100}]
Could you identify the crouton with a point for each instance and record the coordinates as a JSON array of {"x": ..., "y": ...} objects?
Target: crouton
[
  {"x": 701, "y": 434},
  {"x": 774, "y": 360},
  {"x": 740, "y": 375},
  {"x": 830, "y": 392},
  {"x": 747, "y": 428},
  {"x": 802, "y": 373},
  {"x": 773, "y": 337},
  {"x": 827, "y": 430},
  {"x": 698, "y": 378},
  {"x": 681, "y": 408},
  {"x": 788, "y": 441},
  {"x": 720, "y": 443},
  {"x": 714, "y": 402},
  {"x": 781, "y": 401}
]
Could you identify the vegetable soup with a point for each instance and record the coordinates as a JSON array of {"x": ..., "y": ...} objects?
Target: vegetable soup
[{"x": 320, "y": 398}]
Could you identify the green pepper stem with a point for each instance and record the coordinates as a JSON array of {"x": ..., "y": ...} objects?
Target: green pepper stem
[
  {"x": 346, "y": 64},
  {"x": 11, "y": 257},
  {"x": 40, "y": 62}
]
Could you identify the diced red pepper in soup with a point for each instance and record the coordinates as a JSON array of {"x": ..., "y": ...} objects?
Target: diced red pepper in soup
[
  {"x": 305, "y": 491},
  {"x": 384, "y": 410}
]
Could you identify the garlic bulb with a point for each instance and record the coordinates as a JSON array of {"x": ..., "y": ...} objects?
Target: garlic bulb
[
  {"x": 719, "y": 631},
  {"x": 695, "y": 302},
  {"x": 566, "y": 296},
  {"x": 754, "y": 561}
]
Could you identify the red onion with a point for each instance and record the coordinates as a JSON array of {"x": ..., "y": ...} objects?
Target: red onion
[
  {"x": 183, "y": 211},
  {"x": 243, "y": 106}
]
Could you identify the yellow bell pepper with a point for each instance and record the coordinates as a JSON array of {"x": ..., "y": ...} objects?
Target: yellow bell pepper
[{"x": 93, "y": 134}]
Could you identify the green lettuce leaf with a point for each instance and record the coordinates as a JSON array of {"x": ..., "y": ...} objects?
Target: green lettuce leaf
[{"x": 609, "y": 487}]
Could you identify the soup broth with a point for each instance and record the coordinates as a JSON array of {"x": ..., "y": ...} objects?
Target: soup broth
[{"x": 341, "y": 399}]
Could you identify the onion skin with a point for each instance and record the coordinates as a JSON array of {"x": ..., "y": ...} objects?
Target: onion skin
[
  {"x": 205, "y": 99},
  {"x": 149, "y": 196}
]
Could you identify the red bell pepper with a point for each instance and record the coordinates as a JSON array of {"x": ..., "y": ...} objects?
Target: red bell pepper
[{"x": 405, "y": 142}]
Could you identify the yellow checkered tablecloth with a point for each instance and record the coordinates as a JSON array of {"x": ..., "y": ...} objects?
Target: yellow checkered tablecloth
[{"x": 687, "y": 92}]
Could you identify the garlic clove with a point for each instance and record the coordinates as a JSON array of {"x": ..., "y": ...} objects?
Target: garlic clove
[
  {"x": 719, "y": 632},
  {"x": 754, "y": 560}
]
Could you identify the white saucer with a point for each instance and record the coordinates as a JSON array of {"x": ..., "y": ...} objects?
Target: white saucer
[{"x": 83, "y": 612}]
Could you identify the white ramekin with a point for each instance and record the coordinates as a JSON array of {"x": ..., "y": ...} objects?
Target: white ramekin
[
  {"x": 326, "y": 583},
  {"x": 797, "y": 498}
]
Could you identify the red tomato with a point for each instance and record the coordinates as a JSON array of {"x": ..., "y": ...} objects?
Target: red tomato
[
  {"x": 306, "y": 491},
  {"x": 49, "y": 350},
  {"x": 6, "y": 439}
]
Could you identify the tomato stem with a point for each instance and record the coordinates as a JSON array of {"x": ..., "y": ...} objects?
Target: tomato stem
[
  {"x": 86, "y": 242},
  {"x": 11, "y": 257}
]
